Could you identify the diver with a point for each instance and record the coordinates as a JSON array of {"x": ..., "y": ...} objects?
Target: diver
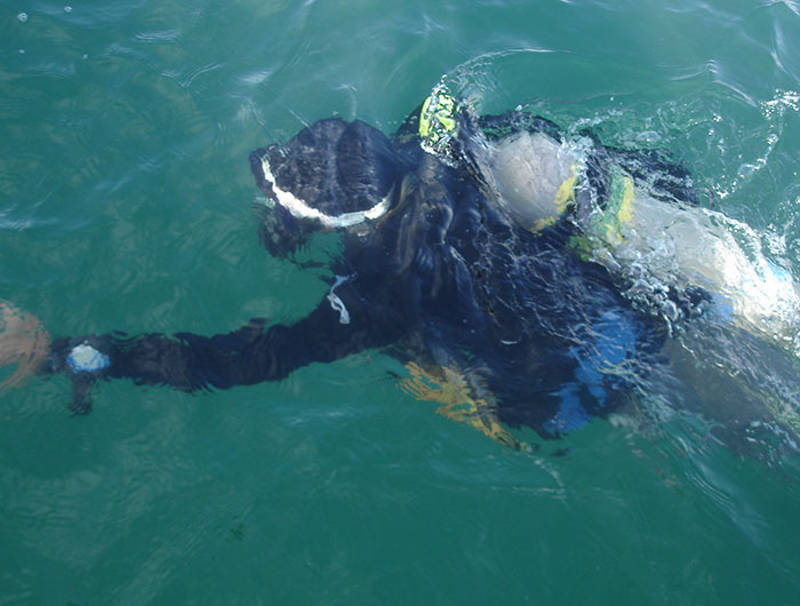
[
  {"x": 634, "y": 212},
  {"x": 488, "y": 253}
]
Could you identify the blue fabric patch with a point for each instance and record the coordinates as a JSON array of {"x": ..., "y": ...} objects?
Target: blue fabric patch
[
  {"x": 608, "y": 342},
  {"x": 571, "y": 414}
]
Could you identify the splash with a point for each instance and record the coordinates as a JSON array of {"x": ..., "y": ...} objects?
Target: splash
[{"x": 782, "y": 102}]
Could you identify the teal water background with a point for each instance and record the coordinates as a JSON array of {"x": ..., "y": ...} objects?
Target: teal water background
[{"x": 126, "y": 203}]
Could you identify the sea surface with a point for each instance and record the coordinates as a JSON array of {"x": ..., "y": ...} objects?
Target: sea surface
[{"x": 126, "y": 203}]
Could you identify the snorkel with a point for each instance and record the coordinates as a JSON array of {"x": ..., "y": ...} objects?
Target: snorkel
[
  {"x": 332, "y": 175},
  {"x": 300, "y": 209}
]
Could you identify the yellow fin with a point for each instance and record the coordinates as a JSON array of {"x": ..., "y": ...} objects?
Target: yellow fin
[{"x": 451, "y": 389}]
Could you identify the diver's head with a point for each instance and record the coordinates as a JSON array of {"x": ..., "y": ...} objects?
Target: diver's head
[{"x": 332, "y": 174}]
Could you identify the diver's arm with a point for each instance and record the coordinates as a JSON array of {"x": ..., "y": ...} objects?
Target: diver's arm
[{"x": 339, "y": 326}]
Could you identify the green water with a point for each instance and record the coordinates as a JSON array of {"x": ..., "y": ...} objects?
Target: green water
[{"x": 126, "y": 203}]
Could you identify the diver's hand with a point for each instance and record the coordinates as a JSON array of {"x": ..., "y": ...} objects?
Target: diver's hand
[{"x": 24, "y": 342}]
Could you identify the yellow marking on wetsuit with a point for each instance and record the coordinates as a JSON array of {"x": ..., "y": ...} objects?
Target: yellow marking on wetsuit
[
  {"x": 625, "y": 212},
  {"x": 450, "y": 388},
  {"x": 606, "y": 226},
  {"x": 564, "y": 195},
  {"x": 566, "y": 191},
  {"x": 619, "y": 210},
  {"x": 444, "y": 112},
  {"x": 424, "y": 119},
  {"x": 437, "y": 118}
]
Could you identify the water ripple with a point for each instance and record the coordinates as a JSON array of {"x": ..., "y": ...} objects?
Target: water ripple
[{"x": 168, "y": 35}]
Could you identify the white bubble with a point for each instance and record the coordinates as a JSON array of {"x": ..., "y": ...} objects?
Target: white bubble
[
  {"x": 22, "y": 17},
  {"x": 67, "y": 9},
  {"x": 22, "y": 51}
]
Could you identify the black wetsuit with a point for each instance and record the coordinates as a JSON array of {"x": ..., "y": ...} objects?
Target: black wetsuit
[{"x": 444, "y": 278}]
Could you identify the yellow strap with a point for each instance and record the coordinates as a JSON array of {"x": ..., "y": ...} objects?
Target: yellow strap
[
  {"x": 625, "y": 212},
  {"x": 566, "y": 191},
  {"x": 564, "y": 195}
]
